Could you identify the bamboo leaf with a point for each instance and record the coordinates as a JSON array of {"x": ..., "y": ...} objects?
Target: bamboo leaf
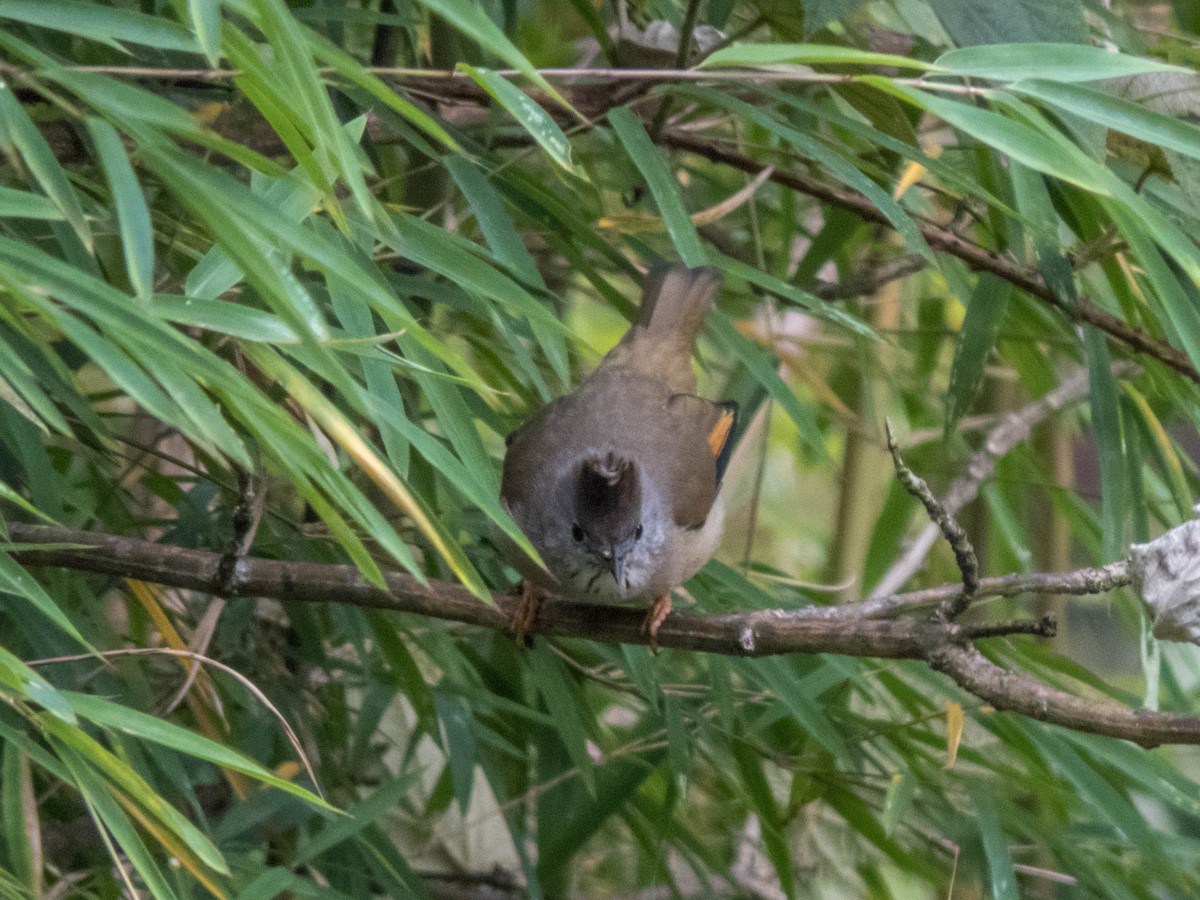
[
  {"x": 806, "y": 55},
  {"x": 471, "y": 19},
  {"x": 96, "y": 22},
  {"x": 205, "y": 16},
  {"x": 110, "y": 819},
  {"x": 1117, "y": 113},
  {"x": 840, "y": 167},
  {"x": 563, "y": 702},
  {"x": 650, "y": 162},
  {"x": 16, "y": 204},
  {"x": 985, "y": 312},
  {"x": 349, "y": 68},
  {"x": 535, "y": 120},
  {"x": 133, "y": 218},
  {"x": 43, "y": 167},
  {"x": 1052, "y": 62},
  {"x": 152, "y": 728},
  {"x": 127, "y": 780},
  {"x": 1000, "y": 864},
  {"x": 1106, "y": 422},
  {"x": 16, "y": 581},
  {"x": 19, "y": 814}
]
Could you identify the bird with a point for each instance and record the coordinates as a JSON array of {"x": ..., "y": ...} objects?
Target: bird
[{"x": 617, "y": 484}]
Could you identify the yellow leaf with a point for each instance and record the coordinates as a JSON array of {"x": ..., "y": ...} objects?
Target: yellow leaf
[
  {"x": 954, "y": 730},
  {"x": 913, "y": 173}
]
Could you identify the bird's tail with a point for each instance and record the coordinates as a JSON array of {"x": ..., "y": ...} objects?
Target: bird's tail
[{"x": 675, "y": 301}]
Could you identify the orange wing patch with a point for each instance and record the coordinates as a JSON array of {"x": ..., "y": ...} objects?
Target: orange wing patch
[{"x": 720, "y": 433}]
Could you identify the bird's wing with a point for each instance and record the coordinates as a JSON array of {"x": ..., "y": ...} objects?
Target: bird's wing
[{"x": 701, "y": 434}]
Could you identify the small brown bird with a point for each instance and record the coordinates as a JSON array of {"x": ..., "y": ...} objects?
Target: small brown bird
[{"x": 617, "y": 484}]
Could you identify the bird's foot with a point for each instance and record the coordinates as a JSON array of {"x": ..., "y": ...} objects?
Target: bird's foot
[
  {"x": 654, "y": 619},
  {"x": 525, "y": 613}
]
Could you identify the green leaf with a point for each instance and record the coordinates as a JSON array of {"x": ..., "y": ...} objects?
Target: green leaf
[
  {"x": 1000, "y": 864},
  {"x": 679, "y": 743},
  {"x": 564, "y": 703},
  {"x": 361, "y": 815},
  {"x": 1040, "y": 220},
  {"x": 458, "y": 744},
  {"x": 292, "y": 197},
  {"x": 799, "y": 694},
  {"x": 160, "y": 731},
  {"x": 31, "y": 686},
  {"x": 762, "y": 799},
  {"x": 837, "y": 165},
  {"x": 223, "y": 317},
  {"x": 243, "y": 224},
  {"x": 897, "y": 801},
  {"x": 574, "y": 824},
  {"x": 43, "y": 165},
  {"x": 205, "y": 16},
  {"x": 133, "y": 218},
  {"x": 352, "y": 70},
  {"x": 107, "y": 24},
  {"x": 535, "y": 120},
  {"x": 25, "y": 384},
  {"x": 805, "y": 55},
  {"x": 1106, "y": 423},
  {"x": 16, "y": 581},
  {"x": 1039, "y": 150},
  {"x": 1011, "y": 22},
  {"x": 471, "y": 19},
  {"x": 506, "y": 243},
  {"x": 1094, "y": 791},
  {"x": 16, "y": 204},
  {"x": 109, "y": 818},
  {"x": 765, "y": 369},
  {"x": 295, "y": 81},
  {"x": 10, "y": 496},
  {"x": 1051, "y": 62},
  {"x": 985, "y": 312},
  {"x": 1117, "y": 113},
  {"x": 19, "y": 815},
  {"x": 128, "y": 106},
  {"x": 124, "y": 777},
  {"x": 460, "y": 263},
  {"x": 663, "y": 186}
]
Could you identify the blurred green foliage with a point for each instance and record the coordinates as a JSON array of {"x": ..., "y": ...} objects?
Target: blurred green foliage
[{"x": 337, "y": 272}]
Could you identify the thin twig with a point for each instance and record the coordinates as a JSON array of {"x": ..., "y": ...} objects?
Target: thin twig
[
  {"x": 1046, "y": 628},
  {"x": 868, "y": 282},
  {"x": 402, "y": 74},
  {"x": 955, "y": 535},
  {"x": 1012, "y": 430}
]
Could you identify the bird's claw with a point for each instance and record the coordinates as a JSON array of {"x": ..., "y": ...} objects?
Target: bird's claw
[
  {"x": 525, "y": 614},
  {"x": 654, "y": 619}
]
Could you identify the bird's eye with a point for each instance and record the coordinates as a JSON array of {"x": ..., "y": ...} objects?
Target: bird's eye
[
  {"x": 577, "y": 532},
  {"x": 638, "y": 534}
]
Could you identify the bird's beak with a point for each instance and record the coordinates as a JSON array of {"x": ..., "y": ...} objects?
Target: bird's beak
[{"x": 618, "y": 564}]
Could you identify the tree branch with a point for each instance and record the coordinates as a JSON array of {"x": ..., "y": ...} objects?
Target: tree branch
[
  {"x": 1012, "y": 430},
  {"x": 852, "y": 630}
]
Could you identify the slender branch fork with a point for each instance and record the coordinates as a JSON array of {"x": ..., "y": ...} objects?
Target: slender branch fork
[{"x": 852, "y": 630}]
